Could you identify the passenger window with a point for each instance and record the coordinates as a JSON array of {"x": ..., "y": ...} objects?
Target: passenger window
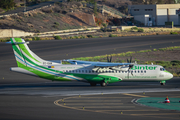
[
  {"x": 138, "y": 71},
  {"x": 125, "y": 71},
  {"x": 144, "y": 71},
  {"x": 122, "y": 71},
  {"x": 141, "y": 71},
  {"x": 134, "y": 71}
]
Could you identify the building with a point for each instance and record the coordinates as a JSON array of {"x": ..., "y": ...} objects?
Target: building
[{"x": 156, "y": 14}]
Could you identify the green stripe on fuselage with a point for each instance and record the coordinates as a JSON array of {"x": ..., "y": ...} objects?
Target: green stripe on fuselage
[{"x": 42, "y": 74}]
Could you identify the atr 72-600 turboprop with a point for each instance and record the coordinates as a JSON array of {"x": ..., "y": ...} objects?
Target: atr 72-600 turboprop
[{"x": 94, "y": 73}]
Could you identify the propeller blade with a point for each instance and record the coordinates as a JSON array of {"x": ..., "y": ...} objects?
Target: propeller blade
[
  {"x": 131, "y": 59},
  {"x": 110, "y": 59},
  {"x": 127, "y": 61},
  {"x": 107, "y": 59}
]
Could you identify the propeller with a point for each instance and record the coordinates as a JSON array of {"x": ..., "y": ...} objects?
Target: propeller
[
  {"x": 130, "y": 66},
  {"x": 129, "y": 60},
  {"x": 109, "y": 59}
]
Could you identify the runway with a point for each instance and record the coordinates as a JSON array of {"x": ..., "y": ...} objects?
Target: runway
[
  {"x": 27, "y": 97},
  {"x": 74, "y": 100}
]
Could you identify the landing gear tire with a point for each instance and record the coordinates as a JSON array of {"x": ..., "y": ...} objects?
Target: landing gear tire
[
  {"x": 93, "y": 84},
  {"x": 162, "y": 83},
  {"x": 103, "y": 84}
]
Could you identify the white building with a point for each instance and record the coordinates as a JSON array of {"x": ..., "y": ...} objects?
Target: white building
[{"x": 157, "y": 14}]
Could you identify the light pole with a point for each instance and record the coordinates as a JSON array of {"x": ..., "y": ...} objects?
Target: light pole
[{"x": 24, "y": 5}]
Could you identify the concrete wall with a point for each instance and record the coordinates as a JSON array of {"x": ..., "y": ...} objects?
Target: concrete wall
[
  {"x": 18, "y": 33},
  {"x": 167, "y": 6},
  {"x": 143, "y": 9},
  {"x": 160, "y": 13},
  {"x": 13, "y": 33}
]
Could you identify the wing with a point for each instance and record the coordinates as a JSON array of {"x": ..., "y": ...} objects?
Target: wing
[{"x": 99, "y": 64}]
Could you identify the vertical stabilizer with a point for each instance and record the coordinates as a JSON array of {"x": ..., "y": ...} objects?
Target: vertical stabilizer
[{"x": 24, "y": 56}]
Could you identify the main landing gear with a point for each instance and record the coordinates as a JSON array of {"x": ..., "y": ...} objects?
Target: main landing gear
[
  {"x": 93, "y": 84},
  {"x": 103, "y": 84}
]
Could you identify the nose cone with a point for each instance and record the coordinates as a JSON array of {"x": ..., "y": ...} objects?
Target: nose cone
[{"x": 169, "y": 75}]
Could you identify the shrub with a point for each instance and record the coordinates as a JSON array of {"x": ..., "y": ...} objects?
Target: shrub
[
  {"x": 36, "y": 38},
  {"x": 56, "y": 23},
  {"x": 140, "y": 30},
  {"x": 173, "y": 33},
  {"x": 104, "y": 24},
  {"x": 175, "y": 62},
  {"x": 76, "y": 37},
  {"x": 55, "y": 26},
  {"x": 134, "y": 28},
  {"x": 111, "y": 35},
  {"x": 57, "y": 37},
  {"x": 82, "y": 37},
  {"x": 89, "y": 36},
  {"x": 7, "y": 4},
  {"x": 47, "y": 10}
]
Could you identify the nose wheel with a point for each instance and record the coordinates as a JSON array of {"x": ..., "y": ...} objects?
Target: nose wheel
[{"x": 162, "y": 82}]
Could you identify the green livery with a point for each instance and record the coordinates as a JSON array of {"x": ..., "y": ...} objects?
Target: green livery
[{"x": 83, "y": 71}]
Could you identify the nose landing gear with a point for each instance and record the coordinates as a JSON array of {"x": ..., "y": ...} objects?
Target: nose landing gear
[{"x": 162, "y": 82}]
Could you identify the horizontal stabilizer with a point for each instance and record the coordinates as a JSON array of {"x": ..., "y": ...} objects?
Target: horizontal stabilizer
[{"x": 16, "y": 43}]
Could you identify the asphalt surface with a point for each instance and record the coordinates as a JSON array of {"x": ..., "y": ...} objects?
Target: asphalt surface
[{"x": 27, "y": 97}]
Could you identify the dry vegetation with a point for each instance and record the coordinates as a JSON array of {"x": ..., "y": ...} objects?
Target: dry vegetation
[{"x": 61, "y": 16}]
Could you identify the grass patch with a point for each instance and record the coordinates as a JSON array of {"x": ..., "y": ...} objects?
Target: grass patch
[
  {"x": 57, "y": 37},
  {"x": 89, "y": 36},
  {"x": 36, "y": 38},
  {"x": 140, "y": 30},
  {"x": 171, "y": 66},
  {"x": 134, "y": 28},
  {"x": 111, "y": 35},
  {"x": 173, "y": 33}
]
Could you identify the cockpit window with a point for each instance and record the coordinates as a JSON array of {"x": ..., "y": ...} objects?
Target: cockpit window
[{"x": 162, "y": 69}]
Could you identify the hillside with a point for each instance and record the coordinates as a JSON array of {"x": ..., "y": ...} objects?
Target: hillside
[
  {"x": 60, "y": 16},
  {"x": 66, "y": 15}
]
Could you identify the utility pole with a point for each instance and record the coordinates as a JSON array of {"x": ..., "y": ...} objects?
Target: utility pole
[{"x": 24, "y": 5}]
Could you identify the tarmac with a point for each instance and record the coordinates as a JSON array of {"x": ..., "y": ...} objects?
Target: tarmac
[{"x": 26, "y": 97}]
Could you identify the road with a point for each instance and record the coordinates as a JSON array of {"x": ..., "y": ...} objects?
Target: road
[{"x": 27, "y": 97}]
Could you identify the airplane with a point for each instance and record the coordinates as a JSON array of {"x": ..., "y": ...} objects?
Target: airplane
[{"x": 102, "y": 73}]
